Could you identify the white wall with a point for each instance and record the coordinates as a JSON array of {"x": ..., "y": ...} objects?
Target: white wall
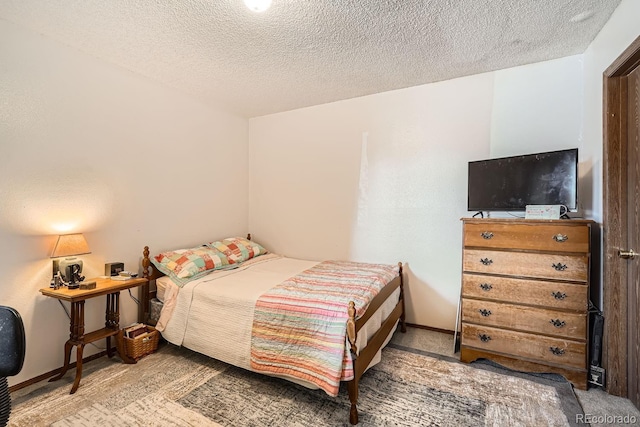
[
  {"x": 537, "y": 107},
  {"x": 89, "y": 147},
  {"x": 315, "y": 192},
  {"x": 380, "y": 178}
]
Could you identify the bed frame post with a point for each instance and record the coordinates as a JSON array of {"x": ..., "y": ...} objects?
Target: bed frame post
[
  {"x": 352, "y": 386},
  {"x": 146, "y": 262},
  {"x": 143, "y": 311},
  {"x": 403, "y": 325},
  {"x": 352, "y": 334}
]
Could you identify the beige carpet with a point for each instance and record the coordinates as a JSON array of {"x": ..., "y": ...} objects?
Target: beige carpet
[{"x": 182, "y": 388}]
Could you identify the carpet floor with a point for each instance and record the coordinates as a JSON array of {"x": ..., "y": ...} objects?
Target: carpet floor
[{"x": 409, "y": 387}]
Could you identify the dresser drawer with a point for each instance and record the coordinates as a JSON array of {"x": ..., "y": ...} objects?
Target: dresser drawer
[
  {"x": 522, "y": 291},
  {"x": 543, "y": 237},
  {"x": 556, "y": 351},
  {"x": 522, "y": 264},
  {"x": 523, "y": 318}
]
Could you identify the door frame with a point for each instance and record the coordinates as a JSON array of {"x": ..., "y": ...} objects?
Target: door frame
[{"x": 615, "y": 218}]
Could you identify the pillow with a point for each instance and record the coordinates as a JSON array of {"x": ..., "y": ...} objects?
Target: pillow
[
  {"x": 184, "y": 265},
  {"x": 238, "y": 249}
]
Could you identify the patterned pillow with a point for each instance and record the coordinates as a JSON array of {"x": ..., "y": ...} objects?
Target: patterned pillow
[
  {"x": 189, "y": 264},
  {"x": 238, "y": 249}
]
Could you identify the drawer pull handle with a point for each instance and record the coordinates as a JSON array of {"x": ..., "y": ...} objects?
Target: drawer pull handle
[
  {"x": 556, "y": 350},
  {"x": 560, "y": 238},
  {"x": 486, "y": 235},
  {"x": 560, "y": 266},
  {"x": 484, "y": 312},
  {"x": 557, "y": 323},
  {"x": 559, "y": 295},
  {"x": 484, "y": 337},
  {"x": 486, "y": 287},
  {"x": 486, "y": 261}
]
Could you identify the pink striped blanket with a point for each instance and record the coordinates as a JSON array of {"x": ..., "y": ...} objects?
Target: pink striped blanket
[{"x": 299, "y": 326}]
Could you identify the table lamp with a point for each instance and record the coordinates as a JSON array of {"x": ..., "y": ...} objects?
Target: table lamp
[{"x": 68, "y": 269}]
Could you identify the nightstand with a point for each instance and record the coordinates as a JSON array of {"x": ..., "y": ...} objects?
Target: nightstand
[{"x": 77, "y": 336}]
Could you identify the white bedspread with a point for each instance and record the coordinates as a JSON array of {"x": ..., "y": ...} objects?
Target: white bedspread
[{"x": 213, "y": 315}]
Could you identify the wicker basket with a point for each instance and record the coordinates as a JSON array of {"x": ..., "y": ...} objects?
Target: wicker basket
[{"x": 143, "y": 344}]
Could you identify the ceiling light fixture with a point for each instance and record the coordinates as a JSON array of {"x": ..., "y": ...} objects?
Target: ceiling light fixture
[{"x": 258, "y": 5}]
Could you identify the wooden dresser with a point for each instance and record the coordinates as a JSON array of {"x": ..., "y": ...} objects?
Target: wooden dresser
[{"x": 525, "y": 295}]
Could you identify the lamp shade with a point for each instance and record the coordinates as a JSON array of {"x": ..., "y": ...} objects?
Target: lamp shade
[{"x": 70, "y": 245}]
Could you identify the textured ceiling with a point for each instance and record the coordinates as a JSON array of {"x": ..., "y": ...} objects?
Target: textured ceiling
[{"x": 308, "y": 52}]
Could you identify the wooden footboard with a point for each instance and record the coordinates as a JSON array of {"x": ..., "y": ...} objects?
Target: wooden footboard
[{"x": 361, "y": 361}]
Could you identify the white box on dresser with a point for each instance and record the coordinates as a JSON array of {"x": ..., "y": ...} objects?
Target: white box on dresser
[{"x": 525, "y": 294}]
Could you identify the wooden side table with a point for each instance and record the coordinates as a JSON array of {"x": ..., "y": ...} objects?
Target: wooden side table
[{"x": 77, "y": 336}]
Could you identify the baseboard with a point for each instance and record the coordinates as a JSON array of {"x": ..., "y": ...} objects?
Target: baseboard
[
  {"x": 429, "y": 328},
  {"x": 50, "y": 374}
]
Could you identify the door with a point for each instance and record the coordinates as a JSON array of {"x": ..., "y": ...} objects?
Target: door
[
  {"x": 621, "y": 224},
  {"x": 633, "y": 194}
]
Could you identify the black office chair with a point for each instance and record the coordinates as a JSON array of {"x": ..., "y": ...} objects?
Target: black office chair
[{"x": 12, "y": 348}]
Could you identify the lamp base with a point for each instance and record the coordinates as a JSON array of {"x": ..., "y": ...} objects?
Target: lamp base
[{"x": 67, "y": 267}]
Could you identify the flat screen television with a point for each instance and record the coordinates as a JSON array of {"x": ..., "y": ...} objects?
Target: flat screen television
[{"x": 512, "y": 183}]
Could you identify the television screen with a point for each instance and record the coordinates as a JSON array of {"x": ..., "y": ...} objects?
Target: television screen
[{"x": 512, "y": 183}]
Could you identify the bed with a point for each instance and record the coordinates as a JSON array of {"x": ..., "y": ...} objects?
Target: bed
[{"x": 229, "y": 313}]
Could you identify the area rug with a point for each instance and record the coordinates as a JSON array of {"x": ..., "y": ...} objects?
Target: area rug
[{"x": 409, "y": 387}]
